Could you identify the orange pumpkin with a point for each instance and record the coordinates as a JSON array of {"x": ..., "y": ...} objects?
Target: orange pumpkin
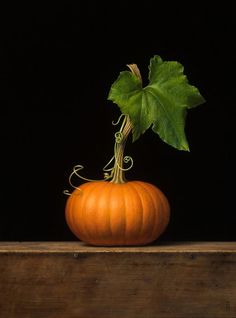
[{"x": 109, "y": 214}]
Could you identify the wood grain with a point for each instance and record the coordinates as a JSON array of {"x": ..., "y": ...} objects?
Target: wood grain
[{"x": 70, "y": 279}]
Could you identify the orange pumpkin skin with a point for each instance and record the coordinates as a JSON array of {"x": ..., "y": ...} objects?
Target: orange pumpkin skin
[{"x": 108, "y": 214}]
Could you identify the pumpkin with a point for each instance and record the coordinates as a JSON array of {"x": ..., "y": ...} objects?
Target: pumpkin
[
  {"x": 121, "y": 212},
  {"x": 109, "y": 214}
]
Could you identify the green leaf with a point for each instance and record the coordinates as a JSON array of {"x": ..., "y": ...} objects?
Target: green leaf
[{"x": 162, "y": 104}]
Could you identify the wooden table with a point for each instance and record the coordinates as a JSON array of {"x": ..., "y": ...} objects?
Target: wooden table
[{"x": 70, "y": 279}]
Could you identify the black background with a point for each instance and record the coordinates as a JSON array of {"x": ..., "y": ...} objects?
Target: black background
[{"x": 57, "y": 65}]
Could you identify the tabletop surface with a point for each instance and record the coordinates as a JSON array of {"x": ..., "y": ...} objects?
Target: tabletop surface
[{"x": 80, "y": 247}]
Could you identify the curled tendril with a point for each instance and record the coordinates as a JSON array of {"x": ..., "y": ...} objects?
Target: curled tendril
[
  {"x": 67, "y": 192},
  {"x": 105, "y": 168},
  {"x": 108, "y": 169},
  {"x": 75, "y": 171},
  {"x": 118, "y": 137},
  {"x": 126, "y": 160},
  {"x": 118, "y": 120},
  {"x": 123, "y": 123},
  {"x": 77, "y": 168}
]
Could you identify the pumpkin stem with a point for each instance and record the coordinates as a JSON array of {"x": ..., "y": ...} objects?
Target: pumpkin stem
[{"x": 118, "y": 171}]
